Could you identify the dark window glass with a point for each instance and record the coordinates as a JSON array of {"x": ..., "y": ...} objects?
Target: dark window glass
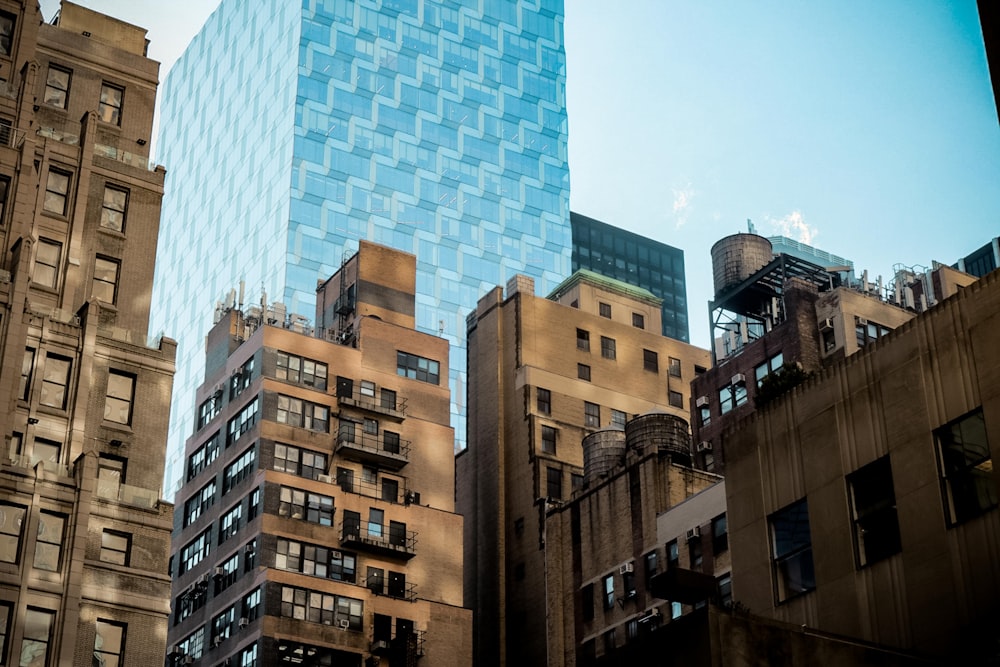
[
  {"x": 791, "y": 549},
  {"x": 873, "y": 504}
]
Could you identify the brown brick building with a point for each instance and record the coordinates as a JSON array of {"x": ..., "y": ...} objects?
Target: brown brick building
[
  {"x": 84, "y": 538},
  {"x": 545, "y": 373},
  {"x": 316, "y": 522}
]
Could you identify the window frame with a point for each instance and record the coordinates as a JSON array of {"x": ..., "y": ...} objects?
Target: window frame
[
  {"x": 16, "y": 538},
  {"x": 99, "y": 652},
  {"x": 583, "y": 340},
  {"x": 872, "y": 498},
  {"x": 543, "y": 401},
  {"x": 549, "y": 444},
  {"x": 112, "y": 267},
  {"x": 128, "y": 405},
  {"x": 106, "y": 103},
  {"x": 108, "y": 549},
  {"x": 638, "y": 320},
  {"x": 604, "y": 309},
  {"x": 650, "y": 361},
  {"x": 52, "y": 264},
  {"x": 49, "y": 543},
  {"x": 114, "y": 218},
  {"x": 970, "y": 467},
  {"x": 53, "y": 193},
  {"x": 591, "y": 415},
  {"x": 50, "y": 85},
  {"x": 609, "y": 348},
  {"x": 798, "y": 553},
  {"x": 583, "y": 372}
]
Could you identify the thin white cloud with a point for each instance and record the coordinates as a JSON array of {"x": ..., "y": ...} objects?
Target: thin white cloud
[
  {"x": 794, "y": 226},
  {"x": 682, "y": 204}
]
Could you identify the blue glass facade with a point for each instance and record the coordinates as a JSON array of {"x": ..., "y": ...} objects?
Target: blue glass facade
[{"x": 288, "y": 132}]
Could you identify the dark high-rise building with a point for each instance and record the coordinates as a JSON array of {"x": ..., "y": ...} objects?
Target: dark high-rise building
[
  {"x": 982, "y": 261},
  {"x": 636, "y": 260}
]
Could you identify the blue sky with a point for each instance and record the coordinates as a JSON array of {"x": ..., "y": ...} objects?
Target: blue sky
[{"x": 864, "y": 127}]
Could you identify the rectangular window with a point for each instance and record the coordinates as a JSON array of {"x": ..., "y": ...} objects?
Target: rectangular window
[
  {"x": 208, "y": 410},
  {"x": 791, "y": 549},
  {"x": 966, "y": 468},
  {"x": 608, "y": 587},
  {"x": 306, "y": 506},
  {"x": 726, "y": 399},
  {"x": 315, "y": 607},
  {"x": 544, "y": 401},
  {"x": 583, "y": 372},
  {"x": 204, "y": 456},
  {"x": 113, "y": 208},
  {"x": 11, "y": 531},
  {"x": 674, "y": 368},
  {"x": 7, "y": 23},
  {"x": 650, "y": 361},
  {"x": 243, "y": 422},
  {"x": 116, "y": 547},
  {"x": 873, "y": 505},
  {"x": 57, "y": 86},
  {"x": 48, "y": 258},
  {"x": 55, "y": 380},
  {"x": 417, "y": 368},
  {"x": 195, "y": 551},
  {"x": 553, "y": 483},
  {"x": 37, "y": 636},
  {"x": 583, "y": 340},
  {"x": 56, "y": 191},
  {"x": 5, "y": 133},
  {"x": 868, "y": 332},
  {"x": 27, "y": 366},
  {"x": 120, "y": 394},
  {"x": 301, "y": 462},
  {"x": 694, "y": 552},
  {"x": 110, "y": 107},
  {"x": 604, "y": 309},
  {"x": 675, "y": 398},
  {"x": 673, "y": 554},
  {"x": 704, "y": 415},
  {"x": 301, "y": 370},
  {"x": 549, "y": 440},
  {"x": 296, "y": 412},
  {"x": 109, "y": 643},
  {"x": 367, "y": 388},
  {"x": 587, "y": 598},
  {"x": 618, "y": 418},
  {"x": 387, "y": 399},
  {"x": 608, "y": 347},
  {"x": 390, "y": 490},
  {"x": 772, "y": 365},
  {"x": 638, "y": 320},
  {"x": 725, "y": 584},
  {"x": 6, "y": 616},
  {"x": 591, "y": 414},
  {"x": 229, "y": 524},
  {"x": 720, "y": 534},
  {"x": 651, "y": 568},
  {"x": 105, "y": 285},
  {"x": 343, "y": 566},
  {"x": 48, "y": 544},
  {"x": 196, "y": 505}
]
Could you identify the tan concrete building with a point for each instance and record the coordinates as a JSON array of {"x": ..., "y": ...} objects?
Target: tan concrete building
[
  {"x": 84, "y": 537},
  {"x": 317, "y": 521},
  {"x": 605, "y": 545},
  {"x": 864, "y": 501},
  {"x": 544, "y": 373}
]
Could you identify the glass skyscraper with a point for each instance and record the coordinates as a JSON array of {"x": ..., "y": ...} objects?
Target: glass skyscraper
[
  {"x": 636, "y": 260},
  {"x": 291, "y": 130}
]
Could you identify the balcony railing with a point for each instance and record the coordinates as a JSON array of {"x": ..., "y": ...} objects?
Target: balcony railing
[
  {"x": 390, "y": 453},
  {"x": 128, "y": 495},
  {"x": 380, "y": 586},
  {"x": 378, "y": 538},
  {"x": 392, "y": 407},
  {"x": 412, "y": 643},
  {"x": 402, "y": 496},
  {"x": 27, "y": 462},
  {"x": 131, "y": 159}
]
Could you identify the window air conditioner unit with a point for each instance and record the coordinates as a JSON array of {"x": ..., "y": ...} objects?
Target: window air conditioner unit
[
  {"x": 701, "y": 402},
  {"x": 380, "y": 645},
  {"x": 704, "y": 446},
  {"x": 336, "y": 555},
  {"x": 325, "y": 478},
  {"x": 739, "y": 378},
  {"x": 626, "y": 568},
  {"x": 248, "y": 549},
  {"x": 220, "y": 571},
  {"x": 863, "y": 321},
  {"x": 216, "y": 640},
  {"x": 826, "y": 325},
  {"x": 694, "y": 533},
  {"x": 203, "y": 579},
  {"x": 175, "y": 650},
  {"x": 244, "y": 622}
]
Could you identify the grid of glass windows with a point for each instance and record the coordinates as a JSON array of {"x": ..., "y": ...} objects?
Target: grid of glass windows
[
  {"x": 113, "y": 208},
  {"x": 301, "y": 370},
  {"x": 243, "y": 421},
  {"x": 55, "y": 380},
  {"x": 966, "y": 468},
  {"x": 316, "y": 607},
  {"x": 413, "y": 366},
  {"x": 296, "y": 412},
  {"x": 305, "y": 505},
  {"x": 240, "y": 469},
  {"x": 298, "y": 461}
]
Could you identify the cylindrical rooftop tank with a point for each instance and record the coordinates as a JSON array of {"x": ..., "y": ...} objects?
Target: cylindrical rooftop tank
[
  {"x": 660, "y": 432},
  {"x": 602, "y": 451},
  {"x": 735, "y": 258}
]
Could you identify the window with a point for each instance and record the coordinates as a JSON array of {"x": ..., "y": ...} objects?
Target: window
[
  {"x": 55, "y": 379},
  {"x": 6, "y": 616},
  {"x": 208, "y": 410},
  {"x": 576, "y": 481},
  {"x": 675, "y": 398},
  {"x": 48, "y": 545},
  {"x": 253, "y": 506},
  {"x": 650, "y": 361},
  {"x": 618, "y": 418},
  {"x": 116, "y": 547},
  {"x": 56, "y": 191},
  {"x": 113, "y": 208},
  {"x": 604, "y": 309},
  {"x": 110, "y": 107},
  {"x": 720, "y": 534},
  {"x": 343, "y": 566},
  {"x": 544, "y": 401},
  {"x": 297, "y": 461},
  {"x": 248, "y": 656},
  {"x": 376, "y": 522},
  {"x": 370, "y": 426},
  {"x": 628, "y": 583},
  {"x": 202, "y": 457},
  {"x": 591, "y": 414},
  {"x": 770, "y": 366},
  {"x": 37, "y": 636},
  {"x": 109, "y": 643},
  {"x": 651, "y": 568},
  {"x": 673, "y": 554},
  {"x": 587, "y": 597},
  {"x": 306, "y": 506},
  {"x": 608, "y": 586},
  {"x": 583, "y": 372},
  {"x": 302, "y": 371},
  {"x": 316, "y": 607},
  {"x": 47, "y": 260},
  {"x": 299, "y": 557},
  {"x": 241, "y": 379},
  {"x": 7, "y": 22},
  {"x": 105, "y": 279},
  {"x": 609, "y": 640},
  {"x": 222, "y": 625},
  {"x": 110, "y": 475},
  {"x": 229, "y": 524},
  {"x": 791, "y": 547},
  {"x": 966, "y": 468},
  {"x": 638, "y": 320},
  {"x": 250, "y": 607},
  {"x": 873, "y": 506},
  {"x": 732, "y": 396},
  {"x": 390, "y": 490},
  {"x": 583, "y": 340},
  {"x": 868, "y": 332},
  {"x": 367, "y": 388},
  {"x": 704, "y": 415},
  {"x": 694, "y": 552},
  {"x": 27, "y": 365},
  {"x": 725, "y": 585},
  {"x": 5, "y": 133},
  {"x": 118, "y": 402},
  {"x": 47, "y": 451},
  {"x": 243, "y": 422},
  {"x": 417, "y": 368},
  {"x": 397, "y": 585},
  {"x": 387, "y": 399},
  {"x": 674, "y": 367},
  {"x": 198, "y": 503},
  {"x": 296, "y": 412},
  {"x": 195, "y": 551},
  {"x": 608, "y": 347},
  {"x": 57, "y": 86},
  {"x": 549, "y": 440},
  {"x": 11, "y": 525},
  {"x": 553, "y": 483}
]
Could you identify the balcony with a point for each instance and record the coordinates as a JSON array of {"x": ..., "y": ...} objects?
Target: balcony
[
  {"x": 401, "y": 590},
  {"x": 378, "y": 539},
  {"x": 30, "y": 463},
  {"x": 408, "y": 644},
  {"x": 128, "y": 495},
  {"x": 390, "y": 453},
  {"x": 402, "y": 496},
  {"x": 392, "y": 407}
]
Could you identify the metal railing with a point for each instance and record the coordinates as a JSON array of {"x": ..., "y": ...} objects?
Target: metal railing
[
  {"x": 352, "y": 435},
  {"x": 379, "y": 536}
]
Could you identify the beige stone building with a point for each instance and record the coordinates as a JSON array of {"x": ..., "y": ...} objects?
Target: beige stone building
[
  {"x": 864, "y": 501},
  {"x": 543, "y": 374},
  {"x": 316, "y": 523},
  {"x": 84, "y": 537}
]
